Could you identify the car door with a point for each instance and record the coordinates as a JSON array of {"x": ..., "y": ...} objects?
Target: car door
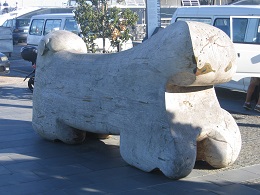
[
  {"x": 245, "y": 34},
  {"x": 35, "y": 31},
  {"x": 237, "y": 83}
]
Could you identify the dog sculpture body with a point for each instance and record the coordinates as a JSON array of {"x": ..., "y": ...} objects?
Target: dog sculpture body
[{"x": 158, "y": 96}]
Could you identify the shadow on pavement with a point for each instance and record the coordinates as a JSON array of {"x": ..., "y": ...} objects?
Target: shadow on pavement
[
  {"x": 15, "y": 93},
  {"x": 233, "y": 101}
]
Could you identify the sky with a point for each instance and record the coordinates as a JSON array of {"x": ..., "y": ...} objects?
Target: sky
[
  {"x": 52, "y": 3},
  {"x": 34, "y": 3}
]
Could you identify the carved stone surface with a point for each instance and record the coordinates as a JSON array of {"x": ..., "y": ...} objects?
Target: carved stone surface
[{"x": 158, "y": 96}]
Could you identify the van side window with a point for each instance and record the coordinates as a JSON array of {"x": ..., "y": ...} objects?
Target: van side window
[
  {"x": 71, "y": 25},
  {"x": 36, "y": 27},
  {"x": 253, "y": 31},
  {"x": 239, "y": 29},
  {"x": 52, "y": 25},
  {"x": 223, "y": 24},
  {"x": 257, "y": 38},
  {"x": 203, "y": 20}
]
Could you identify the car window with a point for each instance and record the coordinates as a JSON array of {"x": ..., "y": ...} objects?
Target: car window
[
  {"x": 203, "y": 20},
  {"x": 239, "y": 29},
  {"x": 71, "y": 25},
  {"x": 11, "y": 23},
  {"x": 8, "y": 23},
  {"x": 253, "y": 31},
  {"x": 36, "y": 27},
  {"x": 257, "y": 37},
  {"x": 223, "y": 24},
  {"x": 51, "y": 25},
  {"x": 5, "y": 24},
  {"x": 22, "y": 22}
]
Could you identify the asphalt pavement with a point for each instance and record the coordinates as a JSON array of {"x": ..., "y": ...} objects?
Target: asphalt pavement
[{"x": 31, "y": 165}]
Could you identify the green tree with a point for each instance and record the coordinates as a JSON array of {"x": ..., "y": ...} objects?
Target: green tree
[{"x": 97, "y": 21}]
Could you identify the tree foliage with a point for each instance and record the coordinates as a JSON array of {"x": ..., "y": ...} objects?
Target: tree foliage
[{"x": 97, "y": 21}]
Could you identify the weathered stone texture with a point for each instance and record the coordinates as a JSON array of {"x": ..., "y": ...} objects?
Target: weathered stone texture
[{"x": 158, "y": 96}]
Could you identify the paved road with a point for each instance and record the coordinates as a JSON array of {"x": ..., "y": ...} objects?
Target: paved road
[
  {"x": 19, "y": 67},
  {"x": 30, "y": 165}
]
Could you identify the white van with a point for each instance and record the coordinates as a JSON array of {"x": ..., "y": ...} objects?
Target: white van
[
  {"x": 242, "y": 24},
  {"x": 40, "y": 25}
]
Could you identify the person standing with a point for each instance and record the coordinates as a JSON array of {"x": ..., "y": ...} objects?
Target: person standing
[{"x": 254, "y": 82}]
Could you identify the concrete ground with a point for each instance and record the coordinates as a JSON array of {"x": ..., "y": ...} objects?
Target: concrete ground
[{"x": 32, "y": 165}]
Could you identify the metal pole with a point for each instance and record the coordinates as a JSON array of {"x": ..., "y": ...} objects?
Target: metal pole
[{"x": 153, "y": 18}]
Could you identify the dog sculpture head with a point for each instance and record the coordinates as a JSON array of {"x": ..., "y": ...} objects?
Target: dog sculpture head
[{"x": 205, "y": 54}]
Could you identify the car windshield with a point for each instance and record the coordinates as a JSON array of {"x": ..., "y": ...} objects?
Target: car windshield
[{"x": 22, "y": 22}]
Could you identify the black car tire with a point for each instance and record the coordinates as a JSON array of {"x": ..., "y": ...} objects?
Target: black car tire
[{"x": 31, "y": 83}]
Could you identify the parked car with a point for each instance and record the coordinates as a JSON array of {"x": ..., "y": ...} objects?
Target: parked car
[
  {"x": 4, "y": 64},
  {"x": 19, "y": 27},
  {"x": 43, "y": 24}
]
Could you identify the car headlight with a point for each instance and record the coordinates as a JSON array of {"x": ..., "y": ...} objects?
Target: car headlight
[{"x": 4, "y": 58}]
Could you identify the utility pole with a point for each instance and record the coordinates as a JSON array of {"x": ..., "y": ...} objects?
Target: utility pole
[{"x": 153, "y": 16}]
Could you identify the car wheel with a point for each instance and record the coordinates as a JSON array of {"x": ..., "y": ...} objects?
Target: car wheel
[{"x": 31, "y": 83}]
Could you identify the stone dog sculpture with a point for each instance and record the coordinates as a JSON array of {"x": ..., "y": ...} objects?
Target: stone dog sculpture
[{"x": 158, "y": 96}]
